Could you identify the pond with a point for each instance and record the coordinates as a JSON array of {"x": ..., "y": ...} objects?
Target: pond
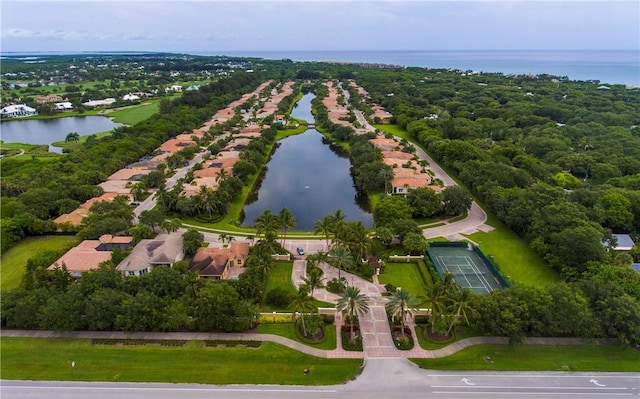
[
  {"x": 47, "y": 131},
  {"x": 310, "y": 178}
]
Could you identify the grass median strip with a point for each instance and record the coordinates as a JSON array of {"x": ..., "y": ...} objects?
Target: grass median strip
[
  {"x": 51, "y": 359},
  {"x": 539, "y": 358}
]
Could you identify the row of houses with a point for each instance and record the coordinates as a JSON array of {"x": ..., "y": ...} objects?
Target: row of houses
[
  {"x": 408, "y": 173},
  {"x": 217, "y": 263}
]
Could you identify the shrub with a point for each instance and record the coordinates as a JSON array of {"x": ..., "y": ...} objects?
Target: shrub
[{"x": 279, "y": 297}]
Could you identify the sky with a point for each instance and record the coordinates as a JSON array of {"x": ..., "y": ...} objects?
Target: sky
[{"x": 217, "y": 26}]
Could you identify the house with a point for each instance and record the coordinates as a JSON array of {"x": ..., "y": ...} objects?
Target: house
[
  {"x": 64, "y": 106},
  {"x": 52, "y": 98},
  {"x": 402, "y": 185},
  {"x": 95, "y": 103},
  {"x": 130, "y": 97},
  {"x": 164, "y": 250},
  {"x": 14, "y": 111},
  {"x": 215, "y": 263},
  {"x": 624, "y": 243},
  {"x": 89, "y": 254}
]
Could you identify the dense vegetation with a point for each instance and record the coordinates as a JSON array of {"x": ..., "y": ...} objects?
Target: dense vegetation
[{"x": 557, "y": 161}]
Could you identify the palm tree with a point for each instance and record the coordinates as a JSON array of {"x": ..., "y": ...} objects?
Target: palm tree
[
  {"x": 266, "y": 223},
  {"x": 223, "y": 237},
  {"x": 401, "y": 304},
  {"x": 387, "y": 174},
  {"x": 222, "y": 175},
  {"x": 139, "y": 191},
  {"x": 461, "y": 302},
  {"x": 287, "y": 221},
  {"x": 302, "y": 303},
  {"x": 314, "y": 279},
  {"x": 171, "y": 225},
  {"x": 340, "y": 257},
  {"x": 337, "y": 224},
  {"x": 437, "y": 299},
  {"x": 323, "y": 226},
  {"x": 357, "y": 237},
  {"x": 352, "y": 303}
]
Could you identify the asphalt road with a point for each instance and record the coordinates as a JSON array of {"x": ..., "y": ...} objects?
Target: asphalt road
[{"x": 381, "y": 379}]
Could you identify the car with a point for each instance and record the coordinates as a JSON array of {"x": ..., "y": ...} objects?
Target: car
[{"x": 300, "y": 251}]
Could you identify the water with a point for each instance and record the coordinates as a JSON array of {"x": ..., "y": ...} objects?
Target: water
[
  {"x": 46, "y": 131},
  {"x": 608, "y": 66},
  {"x": 306, "y": 176}
]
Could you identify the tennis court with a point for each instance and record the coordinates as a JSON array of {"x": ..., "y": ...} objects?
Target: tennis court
[{"x": 468, "y": 268}]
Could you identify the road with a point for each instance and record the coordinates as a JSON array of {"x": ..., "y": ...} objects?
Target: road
[{"x": 380, "y": 379}]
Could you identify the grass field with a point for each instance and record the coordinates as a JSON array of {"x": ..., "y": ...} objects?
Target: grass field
[
  {"x": 279, "y": 276},
  {"x": 50, "y": 359},
  {"x": 516, "y": 261},
  {"x": 405, "y": 275},
  {"x": 288, "y": 330},
  {"x": 15, "y": 259},
  {"x": 539, "y": 358}
]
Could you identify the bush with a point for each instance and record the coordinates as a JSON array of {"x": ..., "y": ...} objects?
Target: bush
[
  {"x": 279, "y": 297},
  {"x": 336, "y": 286}
]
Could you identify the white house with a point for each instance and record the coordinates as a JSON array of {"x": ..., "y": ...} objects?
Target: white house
[
  {"x": 16, "y": 110},
  {"x": 130, "y": 97},
  {"x": 64, "y": 106},
  {"x": 95, "y": 103}
]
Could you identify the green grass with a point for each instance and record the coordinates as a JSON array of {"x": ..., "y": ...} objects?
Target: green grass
[
  {"x": 394, "y": 130},
  {"x": 405, "y": 275},
  {"x": 288, "y": 330},
  {"x": 460, "y": 333},
  {"x": 135, "y": 114},
  {"x": 279, "y": 276},
  {"x": 539, "y": 358},
  {"x": 516, "y": 261},
  {"x": 15, "y": 259},
  {"x": 50, "y": 359}
]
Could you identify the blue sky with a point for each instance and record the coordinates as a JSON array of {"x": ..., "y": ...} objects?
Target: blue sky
[{"x": 218, "y": 26}]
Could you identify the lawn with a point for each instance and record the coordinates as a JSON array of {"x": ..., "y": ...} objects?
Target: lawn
[
  {"x": 539, "y": 358},
  {"x": 405, "y": 275},
  {"x": 15, "y": 259},
  {"x": 516, "y": 261},
  {"x": 394, "y": 130},
  {"x": 50, "y": 359},
  {"x": 279, "y": 276},
  {"x": 288, "y": 330}
]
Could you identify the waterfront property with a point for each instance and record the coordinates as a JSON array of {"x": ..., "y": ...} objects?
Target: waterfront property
[{"x": 17, "y": 110}]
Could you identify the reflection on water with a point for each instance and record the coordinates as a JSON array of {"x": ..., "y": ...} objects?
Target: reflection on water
[{"x": 307, "y": 176}]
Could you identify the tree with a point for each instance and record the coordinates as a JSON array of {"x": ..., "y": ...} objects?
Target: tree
[
  {"x": 356, "y": 237},
  {"x": 171, "y": 225},
  {"x": 425, "y": 202},
  {"x": 266, "y": 223},
  {"x": 390, "y": 209},
  {"x": 153, "y": 217},
  {"x": 323, "y": 226},
  {"x": 339, "y": 257},
  {"x": 415, "y": 243},
  {"x": 72, "y": 137},
  {"x": 139, "y": 191},
  {"x": 314, "y": 279},
  {"x": 461, "y": 307},
  {"x": 457, "y": 200},
  {"x": 384, "y": 234},
  {"x": 351, "y": 304},
  {"x": 287, "y": 221},
  {"x": 400, "y": 305},
  {"x": 303, "y": 303},
  {"x": 387, "y": 175},
  {"x": 192, "y": 239}
]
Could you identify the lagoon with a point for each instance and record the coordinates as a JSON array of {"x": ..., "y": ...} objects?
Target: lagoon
[
  {"x": 307, "y": 175},
  {"x": 47, "y": 131}
]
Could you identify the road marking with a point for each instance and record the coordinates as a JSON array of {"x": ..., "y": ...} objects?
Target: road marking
[
  {"x": 597, "y": 383},
  {"x": 522, "y": 387},
  {"x": 466, "y": 381},
  {"x": 559, "y": 375},
  {"x": 514, "y": 394}
]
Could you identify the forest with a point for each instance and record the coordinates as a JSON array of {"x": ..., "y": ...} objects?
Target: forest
[{"x": 556, "y": 161}]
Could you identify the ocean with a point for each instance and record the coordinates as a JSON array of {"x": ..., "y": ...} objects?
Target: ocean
[{"x": 607, "y": 66}]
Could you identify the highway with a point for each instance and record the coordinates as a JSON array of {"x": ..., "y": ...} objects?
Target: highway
[{"x": 380, "y": 379}]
